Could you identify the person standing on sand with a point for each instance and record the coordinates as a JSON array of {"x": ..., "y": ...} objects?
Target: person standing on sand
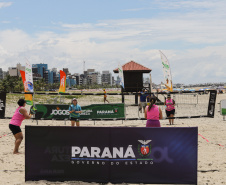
[
  {"x": 170, "y": 108},
  {"x": 153, "y": 113},
  {"x": 143, "y": 97},
  {"x": 16, "y": 121},
  {"x": 105, "y": 96},
  {"x": 75, "y": 110}
]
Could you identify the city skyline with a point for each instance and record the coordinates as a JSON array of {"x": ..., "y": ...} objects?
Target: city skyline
[
  {"x": 63, "y": 34},
  {"x": 89, "y": 71}
]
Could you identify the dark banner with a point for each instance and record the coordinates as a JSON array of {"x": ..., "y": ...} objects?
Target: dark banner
[
  {"x": 2, "y": 104},
  {"x": 212, "y": 102},
  {"x": 51, "y": 111},
  {"x": 109, "y": 154}
]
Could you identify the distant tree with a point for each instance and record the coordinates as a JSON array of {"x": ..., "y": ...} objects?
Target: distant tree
[{"x": 11, "y": 84}]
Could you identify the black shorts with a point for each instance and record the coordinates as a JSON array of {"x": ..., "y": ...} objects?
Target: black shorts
[
  {"x": 74, "y": 119},
  {"x": 15, "y": 129},
  {"x": 168, "y": 113}
]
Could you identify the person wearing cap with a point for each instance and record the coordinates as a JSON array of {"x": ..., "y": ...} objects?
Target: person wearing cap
[
  {"x": 170, "y": 108},
  {"x": 105, "y": 96},
  {"x": 153, "y": 113},
  {"x": 75, "y": 110},
  {"x": 142, "y": 104}
]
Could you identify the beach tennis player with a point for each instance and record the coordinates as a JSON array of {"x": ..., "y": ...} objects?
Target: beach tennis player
[
  {"x": 153, "y": 113},
  {"x": 170, "y": 108},
  {"x": 75, "y": 110},
  {"x": 16, "y": 121},
  {"x": 105, "y": 96}
]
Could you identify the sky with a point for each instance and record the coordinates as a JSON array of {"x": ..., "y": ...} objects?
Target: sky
[{"x": 104, "y": 33}]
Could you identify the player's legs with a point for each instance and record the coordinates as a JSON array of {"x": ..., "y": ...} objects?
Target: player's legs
[
  {"x": 19, "y": 138},
  {"x": 72, "y": 123}
]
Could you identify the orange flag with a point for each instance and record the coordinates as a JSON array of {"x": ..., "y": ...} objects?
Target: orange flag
[
  {"x": 62, "y": 82},
  {"x": 28, "y": 97}
]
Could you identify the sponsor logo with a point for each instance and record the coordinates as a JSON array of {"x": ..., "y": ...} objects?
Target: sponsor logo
[
  {"x": 58, "y": 111},
  {"x": 96, "y": 152},
  {"x": 105, "y": 112},
  {"x": 62, "y": 83},
  {"x": 29, "y": 86},
  {"x": 28, "y": 70},
  {"x": 147, "y": 155},
  {"x": 144, "y": 149},
  {"x": 86, "y": 112}
]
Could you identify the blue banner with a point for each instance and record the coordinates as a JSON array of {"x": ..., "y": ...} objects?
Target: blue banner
[{"x": 108, "y": 154}]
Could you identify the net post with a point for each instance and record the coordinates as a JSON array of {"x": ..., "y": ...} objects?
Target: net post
[{"x": 123, "y": 98}]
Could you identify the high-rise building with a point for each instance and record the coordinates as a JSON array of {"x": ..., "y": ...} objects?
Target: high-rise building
[
  {"x": 53, "y": 76},
  {"x": 15, "y": 71},
  {"x": 70, "y": 82},
  {"x": 39, "y": 68},
  {"x": 94, "y": 77},
  {"x": 76, "y": 77},
  {"x": 66, "y": 71},
  {"x": 106, "y": 77}
]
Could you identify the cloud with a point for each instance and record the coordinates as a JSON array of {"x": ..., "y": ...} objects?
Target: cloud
[
  {"x": 193, "y": 41},
  {"x": 5, "y": 4},
  {"x": 5, "y": 22}
]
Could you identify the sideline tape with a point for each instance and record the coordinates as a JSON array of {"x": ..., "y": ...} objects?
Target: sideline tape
[
  {"x": 210, "y": 142},
  {"x": 5, "y": 134}
]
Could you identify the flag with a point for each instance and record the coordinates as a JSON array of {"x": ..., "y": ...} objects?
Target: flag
[
  {"x": 167, "y": 73},
  {"x": 28, "y": 76},
  {"x": 121, "y": 77},
  {"x": 28, "y": 97},
  {"x": 62, "y": 82}
]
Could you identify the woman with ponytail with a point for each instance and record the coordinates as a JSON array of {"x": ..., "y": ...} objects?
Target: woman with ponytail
[{"x": 153, "y": 113}]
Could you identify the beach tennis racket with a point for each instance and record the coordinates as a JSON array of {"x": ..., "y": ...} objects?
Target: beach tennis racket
[{"x": 33, "y": 110}]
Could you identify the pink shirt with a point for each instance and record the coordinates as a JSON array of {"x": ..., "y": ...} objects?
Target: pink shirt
[
  {"x": 17, "y": 118},
  {"x": 169, "y": 105},
  {"x": 153, "y": 113}
]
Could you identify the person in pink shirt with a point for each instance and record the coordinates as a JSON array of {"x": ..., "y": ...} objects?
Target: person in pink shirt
[
  {"x": 170, "y": 108},
  {"x": 153, "y": 113},
  {"x": 16, "y": 121}
]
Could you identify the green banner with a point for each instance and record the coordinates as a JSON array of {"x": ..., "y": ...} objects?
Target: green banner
[
  {"x": 94, "y": 111},
  {"x": 103, "y": 111},
  {"x": 223, "y": 111}
]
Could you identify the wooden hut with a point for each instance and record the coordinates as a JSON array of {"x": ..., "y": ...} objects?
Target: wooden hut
[{"x": 133, "y": 76}]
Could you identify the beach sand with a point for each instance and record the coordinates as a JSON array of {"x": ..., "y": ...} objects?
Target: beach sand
[{"x": 211, "y": 146}]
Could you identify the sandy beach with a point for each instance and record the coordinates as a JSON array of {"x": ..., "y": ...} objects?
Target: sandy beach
[{"x": 211, "y": 145}]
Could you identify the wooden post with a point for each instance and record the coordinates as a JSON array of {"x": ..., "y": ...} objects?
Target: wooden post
[
  {"x": 136, "y": 96},
  {"x": 123, "y": 98}
]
